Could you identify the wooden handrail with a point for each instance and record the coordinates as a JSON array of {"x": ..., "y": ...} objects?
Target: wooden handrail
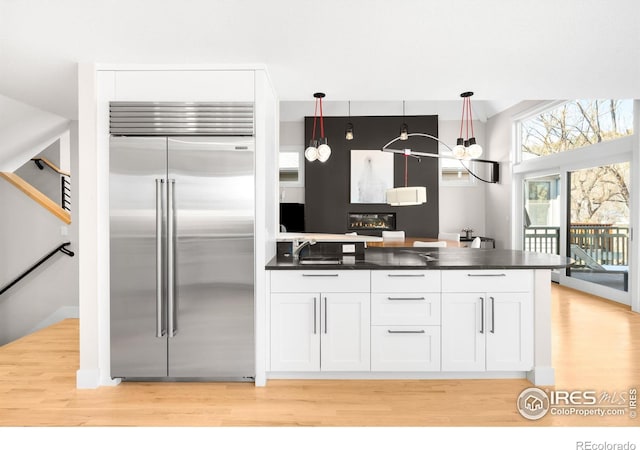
[
  {"x": 38, "y": 196},
  {"x": 52, "y": 165}
]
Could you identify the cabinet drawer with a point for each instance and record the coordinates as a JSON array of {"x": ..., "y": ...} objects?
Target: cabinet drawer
[
  {"x": 487, "y": 280},
  {"x": 320, "y": 281},
  {"x": 405, "y": 309},
  {"x": 405, "y": 281},
  {"x": 405, "y": 348}
]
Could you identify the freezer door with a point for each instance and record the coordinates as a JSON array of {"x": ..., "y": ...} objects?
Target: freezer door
[
  {"x": 212, "y": 184},
  {"x": 136, "y": 184}
]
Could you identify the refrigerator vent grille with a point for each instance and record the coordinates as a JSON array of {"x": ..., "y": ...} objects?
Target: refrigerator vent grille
[{"x": 180, "y": 118}]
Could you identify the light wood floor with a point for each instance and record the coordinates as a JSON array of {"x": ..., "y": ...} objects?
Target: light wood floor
[{"x": 596, "y": 346}]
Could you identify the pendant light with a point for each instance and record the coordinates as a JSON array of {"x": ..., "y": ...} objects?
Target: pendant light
[
  {"x": 407, "y": 195},
  {"x": 311, "y": 153},
  {"x": 404, "y": 128},
  {"x": 324, "y": 151},
  {"x": 348, "y": 132},
  {"x": 466, "y": 148}
]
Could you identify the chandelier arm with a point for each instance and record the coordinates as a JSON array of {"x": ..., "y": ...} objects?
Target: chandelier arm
[
  {"x": 436, "y": 155},
  {"x": 473, "y": 174}
]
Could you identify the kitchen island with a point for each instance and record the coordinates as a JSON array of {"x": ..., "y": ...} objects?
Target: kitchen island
[{"x": 423, "y": 313}]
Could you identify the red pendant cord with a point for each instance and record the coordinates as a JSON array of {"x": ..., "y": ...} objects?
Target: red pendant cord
[
  {"x": 406, "y": 177},
  {"x": 315, "y": 115},
  {"x": 466, "y": 100},
  {"x": 464, "y": 104},
  {"x": 471, "y": 117},
  {"x": 321, "y": 121}
]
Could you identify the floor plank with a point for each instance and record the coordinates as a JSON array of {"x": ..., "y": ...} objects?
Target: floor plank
[{"x": 596, "y": 346}]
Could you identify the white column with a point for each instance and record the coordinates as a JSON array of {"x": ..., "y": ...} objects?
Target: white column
[
  {"x": 543, "y": 373},
  {"x": 88, "y": 374},
  {"x": 634, "y": 263}
]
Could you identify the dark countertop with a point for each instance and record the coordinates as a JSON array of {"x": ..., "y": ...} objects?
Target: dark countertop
[{"x": 434, "y": 259}]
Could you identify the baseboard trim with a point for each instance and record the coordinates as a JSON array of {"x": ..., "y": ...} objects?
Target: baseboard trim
[
  {"x": 92, "y": 379},
  {"x": 395, "y": 375},
  {"x": 542, "y": 376},
  {"x": 62, "y": 313},
  {"x": 87, "y": 378}
]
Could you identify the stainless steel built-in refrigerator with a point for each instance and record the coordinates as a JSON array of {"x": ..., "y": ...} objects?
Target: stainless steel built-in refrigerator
[{"x": 182, "y": 255}]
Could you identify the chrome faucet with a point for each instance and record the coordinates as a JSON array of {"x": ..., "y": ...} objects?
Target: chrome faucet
[{"x": 297, "y": 246}]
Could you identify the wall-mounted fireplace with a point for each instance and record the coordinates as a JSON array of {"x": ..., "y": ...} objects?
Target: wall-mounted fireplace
[{"x": 371, "y": 221}]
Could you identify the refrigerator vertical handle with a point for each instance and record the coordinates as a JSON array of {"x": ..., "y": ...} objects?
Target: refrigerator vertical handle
[
  {"x": 171, "y": 268},
  {"x": 160, "y": 331}
]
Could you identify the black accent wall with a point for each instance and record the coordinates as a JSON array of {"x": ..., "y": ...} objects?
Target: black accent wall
[{"x": 327, "y": 185}]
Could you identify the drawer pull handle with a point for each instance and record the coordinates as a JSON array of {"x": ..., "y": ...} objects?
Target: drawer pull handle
[
  {"x": 487, "y": 275},
  {"x": 405, "y": 275},
  {"x": 405, "y": 298},
  {"x": 405, "y": 331},
  {"x": 325, "y": 315},
  {"x": 493, "y": 315},
  {"x": 320, "y": 275}
]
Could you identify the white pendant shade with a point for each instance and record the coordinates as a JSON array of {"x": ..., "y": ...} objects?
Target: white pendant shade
[
  {"x": 324, "y": 151},
  {"x": 407, "y": 196},
  {"x": 475, "y": 151},
  {"x": 311, "y": 153}
]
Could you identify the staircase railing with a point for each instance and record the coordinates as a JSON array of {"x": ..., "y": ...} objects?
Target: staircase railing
[
  {"x": 65, "y": 181},
  {"x": 65, "y": 193},
  {"x": 61, "y": 248}
]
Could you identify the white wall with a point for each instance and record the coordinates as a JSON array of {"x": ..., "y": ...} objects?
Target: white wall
[
  {"x": 46, "y": 180},
  {"x": 25, "y": 130},
  {"x": 498, "y": 202},
  {"x": 463, "y": 206},
  {"x": 27, "y": 233},
  {"x": 292, "y": 134}
]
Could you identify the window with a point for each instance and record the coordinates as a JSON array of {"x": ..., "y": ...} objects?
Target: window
[
  {"x": 599, "y": 223},
  {"x": 574, "y": 124},
  {"x": 453, "y": 173},
  {"x": 291, "y": 165}
]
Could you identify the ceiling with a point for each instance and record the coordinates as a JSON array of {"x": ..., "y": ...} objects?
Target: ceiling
[{"x": 360, "y": 50}]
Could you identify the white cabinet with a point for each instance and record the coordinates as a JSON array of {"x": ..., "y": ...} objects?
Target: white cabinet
[
  {"x": 344, "y": 332},
  {"x": 487, "y": 330},
  {"x": 328, "y": 320},
  {"x": 325, "y": 330},
  {"x": 185, "y": 85},
  {"x": 405, "y": 319},
  {"x": 414, "y": 348},
  {"x": 295, "y": 340},
  {"x": 463, "y": 338}
]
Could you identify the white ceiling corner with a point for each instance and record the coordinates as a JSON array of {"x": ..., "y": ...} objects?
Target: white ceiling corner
[{"x": 362, "y": 50}]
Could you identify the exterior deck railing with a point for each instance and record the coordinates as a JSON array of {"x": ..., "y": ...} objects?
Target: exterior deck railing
[{"x": 605, "y": 244}]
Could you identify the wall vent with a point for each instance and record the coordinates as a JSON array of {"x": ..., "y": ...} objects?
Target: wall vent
[{"x": 181, "y": 119}]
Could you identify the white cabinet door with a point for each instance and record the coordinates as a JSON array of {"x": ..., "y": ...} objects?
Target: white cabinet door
[
  {"x": 295, "y": 332},
  {"x": 185, "y": 85},
  {"x": 405, "y": 348},
  {"x": 509, "y": 331},
  {"x": 487, "y": 331},
  {"x": 463, "y": 332},
  {"x": 345, "y": 332}
]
